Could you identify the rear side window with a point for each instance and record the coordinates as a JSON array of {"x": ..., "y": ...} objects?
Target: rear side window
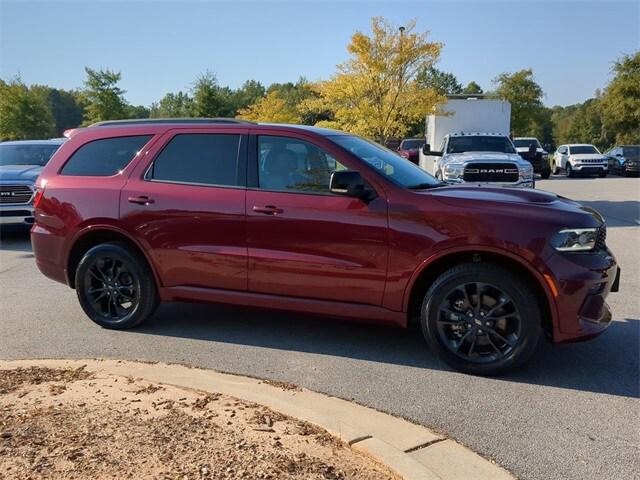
[
  {"x": 200, "y": 158},
  {"x": 104, "y": 157}
]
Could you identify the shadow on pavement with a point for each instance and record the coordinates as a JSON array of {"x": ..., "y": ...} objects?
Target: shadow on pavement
[
  {"x": 608, "y": 364},
  {"x": 15, "y": 239}
]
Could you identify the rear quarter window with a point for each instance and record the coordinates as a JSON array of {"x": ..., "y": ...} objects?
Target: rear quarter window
[{"x": 104, "y": 157}]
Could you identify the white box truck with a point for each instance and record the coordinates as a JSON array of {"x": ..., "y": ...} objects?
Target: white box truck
[{"x": 467, "y": 141}]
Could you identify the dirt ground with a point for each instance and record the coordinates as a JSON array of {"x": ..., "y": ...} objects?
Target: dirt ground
[{"x": 73, "y": 424}]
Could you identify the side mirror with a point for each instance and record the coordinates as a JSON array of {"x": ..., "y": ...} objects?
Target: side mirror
[
  {"x": 351, "y": 184},
  {"x": 426, "y": 148},
  {"x": 618, "y": 154}
]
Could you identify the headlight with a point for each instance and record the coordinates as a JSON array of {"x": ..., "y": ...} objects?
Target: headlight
[
  {"x": 526, "y": 172},
  {"x": 453, "y": 171},
  {"x": 575, "y": 240}
]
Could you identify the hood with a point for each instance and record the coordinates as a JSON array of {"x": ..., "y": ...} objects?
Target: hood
[
  {"x": 21, "y": 173},
  {"x": 484, "y": 157},
  {"x": 518, "y": 201},
  {"x": 588, "y": 156},
  {"x": 526, "y": 150}
]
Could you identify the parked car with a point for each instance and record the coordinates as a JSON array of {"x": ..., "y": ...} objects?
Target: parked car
[
  {"x": 20, "y": 164},
  {"x": 624, "y": 160},
  {"x": 530, "y": 149},
  {"x": 131, "y": 213},
  {"x": 579, "y": 158},
  {"x": 410, "y": 149},
  {"x": 481, "y": 158}
]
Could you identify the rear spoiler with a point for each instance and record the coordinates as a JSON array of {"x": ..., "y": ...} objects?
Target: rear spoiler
[{"x": 70, "y": 132}]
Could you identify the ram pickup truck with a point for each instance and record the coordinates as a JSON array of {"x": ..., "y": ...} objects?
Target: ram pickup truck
[
  {"x": 481, "y": 158},
  {"x": 20, "y": 165}
]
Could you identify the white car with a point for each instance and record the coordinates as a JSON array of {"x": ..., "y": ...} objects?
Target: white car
[{"x": 577, "y": 158}]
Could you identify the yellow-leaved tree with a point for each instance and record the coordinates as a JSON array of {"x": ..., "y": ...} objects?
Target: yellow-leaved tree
[
  {"x": 375, "y": 92},
  {"x": 270, "y": 108}
]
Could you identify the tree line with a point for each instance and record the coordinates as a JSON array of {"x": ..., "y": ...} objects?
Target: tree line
[{"x": 384, "y": 90}]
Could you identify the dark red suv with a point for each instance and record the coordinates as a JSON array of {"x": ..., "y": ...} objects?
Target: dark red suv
[{"x": 132, "y": 213}]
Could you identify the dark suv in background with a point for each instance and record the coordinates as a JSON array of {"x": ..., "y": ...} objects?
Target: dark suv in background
[{"x": 299, "y": 218}]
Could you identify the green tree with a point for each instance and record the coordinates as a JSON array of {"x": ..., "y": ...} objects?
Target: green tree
[
  {"x": 211, "y": 100},
  {"x": 24, "y": 113},
  {"x": 525, "y": 96},
  {"x": 472, "y": 88},
  {"x": 249, "y": 93},
  {"x": 620, "y": 104},
  {"x": 66, "y": 107},
  {"x": 138, "y": 111},
  {"x": 375, "y": 93},
  {"x": 173, "y": 105},
  {"x": 444, "y": 83},
  {"x": 104, "y": 99}
]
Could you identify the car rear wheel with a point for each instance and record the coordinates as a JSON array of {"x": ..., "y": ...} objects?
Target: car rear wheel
[
  {"x": 115, "y": 288},
  {"x": 603, "y": 174},
  {"x": 481, "y": 319}
]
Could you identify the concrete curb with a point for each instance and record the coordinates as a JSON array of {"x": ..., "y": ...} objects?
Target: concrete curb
[{"x": 413, "y": 451}]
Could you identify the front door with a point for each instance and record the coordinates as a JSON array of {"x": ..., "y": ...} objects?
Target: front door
[
  {"x": 187, "y": 207},
  {"x": 304, "y": 241}
]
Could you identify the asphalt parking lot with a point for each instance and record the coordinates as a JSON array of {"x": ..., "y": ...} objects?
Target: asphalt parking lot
[{"x": 573, "y": 412}]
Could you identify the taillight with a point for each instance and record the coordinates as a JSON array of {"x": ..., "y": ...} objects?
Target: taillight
[{"x": 39, "y": 193}]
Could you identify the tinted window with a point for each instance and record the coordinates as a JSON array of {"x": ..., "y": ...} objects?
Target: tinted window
[
  {"x": 414, "y": 144},
  {"x": 526, "y": 142},
  {"x": 387, "y": 163},
  {"x": 104, "y": 157},
  {"x": 26, "y": 154},
  {"x": 631, "y": 151},
  {"x": 210, "y": 159},
  {"x": 582, "y": 149},
  {"x": 475, "y": 143},
  {"x": 290, "y": 164}
]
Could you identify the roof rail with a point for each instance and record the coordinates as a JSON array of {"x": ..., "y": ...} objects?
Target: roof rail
[{"x": 160, "y": 121}]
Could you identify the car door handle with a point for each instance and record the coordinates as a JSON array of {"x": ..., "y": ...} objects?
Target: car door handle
[
  {"x": 141, "y": 200},
  {"x": 268, "y": 210}
]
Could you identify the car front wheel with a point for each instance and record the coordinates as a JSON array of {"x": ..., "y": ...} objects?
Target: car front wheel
[
  {"x": 569, "y": 170},
  {"x": 481, "y": 319},
  {"x": 115, "y": 288}
]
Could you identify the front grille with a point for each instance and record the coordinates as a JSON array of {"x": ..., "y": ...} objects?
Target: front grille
[
  {"x": 591, "y": 161},
  {"x": 601, "y": 239},
  {"x": 15, "y": 194},
  {"x": 491, "y": 172}
]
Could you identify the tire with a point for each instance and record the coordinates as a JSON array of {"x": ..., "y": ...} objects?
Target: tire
[
  {"x": 439, "y": 175},
  {"x": 556, "y": 168},
  {"x": 546, "y": 173},
  {"x": 115, "y": 287},
  {"x": 603, "y": 174},
  {"x": 514, "y": 336},
  {"x": 569, "y": 170}
]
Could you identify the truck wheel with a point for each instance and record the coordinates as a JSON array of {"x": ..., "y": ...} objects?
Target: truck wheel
[
  {"x": 115, "y": 288},
  {"x": 546, "y": 173},
  {"x": 439, "y": 175},
  {"x": 603, "y": 174},
  {"x": 481, "y": 319},
  {"x": 569, "y": 170}
]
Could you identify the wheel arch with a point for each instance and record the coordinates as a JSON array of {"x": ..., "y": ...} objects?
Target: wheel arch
[
  {"x": 434, "y": 267},
  {"x": 95, "y": 235}
]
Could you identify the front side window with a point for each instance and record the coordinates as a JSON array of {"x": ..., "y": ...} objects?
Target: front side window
[
  {"x": 395, "y": 168},
  {"x": 631, "y": 151},
  {"x": 104, "y": 157},
  {"x": 293, "y": 165},
  {"x": 526, "y": 142},
  {"x": 583, "y": 149},
  {"x": 200, "y": 158},
  {"x": 26, "y": 154},
  {"x": 413, "y": 144}
]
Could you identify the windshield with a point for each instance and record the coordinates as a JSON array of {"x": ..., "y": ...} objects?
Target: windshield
[
  {"x": 412, "y": 144},
  {"x": 526, "y": 142},
  {"x": 26, "y": 154},
  {"x": 578, "y": 149},
  {"x": 389, "y": 164},
  {"x": 477, "y": 143},
  {"x": 631, "y": 151}
]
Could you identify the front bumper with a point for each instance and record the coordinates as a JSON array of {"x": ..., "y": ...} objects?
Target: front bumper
[
  {"x": 20, "y": 214},
  {"x": 590, "y": 167},
  {"x": 518, "y": 184},
  {"x": 583, "y": 283}
]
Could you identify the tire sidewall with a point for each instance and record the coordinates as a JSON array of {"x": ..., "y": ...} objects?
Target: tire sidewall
[{"x": 505, "y": 281}]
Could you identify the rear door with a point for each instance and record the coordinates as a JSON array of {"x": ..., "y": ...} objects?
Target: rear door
[
  {"x": 304, "y": 241},
  {"x": 186, "y": 205}
]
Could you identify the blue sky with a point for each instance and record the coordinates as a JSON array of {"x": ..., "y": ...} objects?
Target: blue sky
[{"x": 162, "y": 46}]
